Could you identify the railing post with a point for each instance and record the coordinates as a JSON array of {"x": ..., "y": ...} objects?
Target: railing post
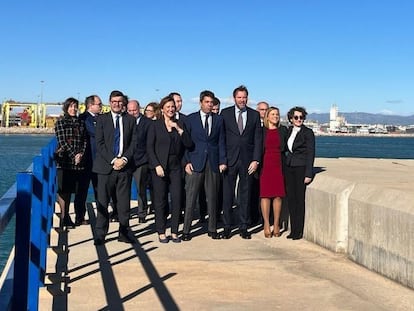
[
  {"x": 41, "y": 175},
  {"x": 35, "y": 233},
  {"x": 24, "y": 187}
]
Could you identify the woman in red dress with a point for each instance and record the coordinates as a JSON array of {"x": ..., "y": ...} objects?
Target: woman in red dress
[{"x": 272, "y": 185}]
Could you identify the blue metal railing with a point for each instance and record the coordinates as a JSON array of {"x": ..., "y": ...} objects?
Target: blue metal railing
[{"x": 34, "y": 206}]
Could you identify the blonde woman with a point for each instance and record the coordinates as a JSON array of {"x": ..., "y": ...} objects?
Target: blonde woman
[{"x": 272, "y": 186}]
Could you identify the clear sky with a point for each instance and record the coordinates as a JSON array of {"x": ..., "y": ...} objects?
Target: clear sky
[{"x": 357, "y": 54}]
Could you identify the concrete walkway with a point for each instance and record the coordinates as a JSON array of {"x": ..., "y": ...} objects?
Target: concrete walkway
[{"x": 206, "y": 274}]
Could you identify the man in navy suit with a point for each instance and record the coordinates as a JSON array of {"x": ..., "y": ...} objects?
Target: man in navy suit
[
  {"x": 244, "y": 151},
  {"x": 205, "y": 162},
  {"x": 114, "y": 162},
  {"x": 93, "y": 109},
  {"x": 140, "y": 157}
]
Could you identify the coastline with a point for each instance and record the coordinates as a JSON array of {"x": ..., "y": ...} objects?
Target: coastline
[
  {"x": 26, "y": 130},
  {"x": 51, "y": 131},
  {"x": 364, "y": 135}
]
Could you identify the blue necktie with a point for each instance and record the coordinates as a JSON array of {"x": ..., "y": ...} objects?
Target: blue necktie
[{"x": 117, "y": 136}]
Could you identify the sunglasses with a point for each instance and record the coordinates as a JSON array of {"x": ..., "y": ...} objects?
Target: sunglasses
[{"x": 298, "y": 117}]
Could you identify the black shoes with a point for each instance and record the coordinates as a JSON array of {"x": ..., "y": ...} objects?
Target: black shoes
[
  {"x": 68, "y": 223},
  {"x": 114, "y": 217},
  {"x": 294, "y": 237},
  {"x": 226, "y": 234},
  {"x": 164, "y": 240},
  {"x": 245, "y": 234},
  {"x": 80, "y": 222},
  {"x": 214, "y": 235},
  {"x": 126, "y": 239},
  {"x": 186, "y": 237},
  {"x": 175, "y": 239},
  {"x": 141, "y": 220}
]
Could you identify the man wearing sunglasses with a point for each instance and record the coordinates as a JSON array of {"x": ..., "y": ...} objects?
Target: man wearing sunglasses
[{"x": 299, "y": 168}]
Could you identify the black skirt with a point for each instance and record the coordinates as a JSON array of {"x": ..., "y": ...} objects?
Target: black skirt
[{"x": 68, "y": 180}]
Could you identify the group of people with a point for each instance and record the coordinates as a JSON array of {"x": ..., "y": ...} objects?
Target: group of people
[{"x": 211, "y": 159}]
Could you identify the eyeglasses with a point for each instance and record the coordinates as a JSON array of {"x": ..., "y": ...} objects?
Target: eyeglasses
[
  {"x": 117, "y": 101},
  {"x": 149, "y": 110},
  {"x": 298, "y": 117}
]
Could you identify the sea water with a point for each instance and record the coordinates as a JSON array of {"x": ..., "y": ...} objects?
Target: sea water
[{"x": 17, "y": 152}]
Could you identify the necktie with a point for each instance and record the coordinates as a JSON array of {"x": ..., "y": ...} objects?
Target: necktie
[
  {"x": 117, "y": 136},
  {"x": 206, "y": 125},
  {"x": 240, "y": 122}
]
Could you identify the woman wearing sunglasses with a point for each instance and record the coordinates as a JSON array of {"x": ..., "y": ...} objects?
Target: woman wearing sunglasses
[{"x": 299, "y": 168}]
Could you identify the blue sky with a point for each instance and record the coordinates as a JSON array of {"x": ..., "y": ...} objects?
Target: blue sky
[{"x": 357, "y": 54}]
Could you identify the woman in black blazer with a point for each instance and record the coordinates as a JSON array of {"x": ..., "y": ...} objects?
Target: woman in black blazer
[
  {"x": 300, "y": 156},
  {"x": 166, "y": 141}
]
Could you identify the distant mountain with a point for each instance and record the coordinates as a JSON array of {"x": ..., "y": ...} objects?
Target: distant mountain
[{"x": 365, "y": 118}]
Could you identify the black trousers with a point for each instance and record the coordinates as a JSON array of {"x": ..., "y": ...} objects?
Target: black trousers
[
  {"x": 172, "y": 183},
  {"x": 295, "y": 187},
  {"x": 81, "y": 195},
  {"x": 118, "y": 182},
  {"x": 244, "y": 193},
  {"x": 141, "y": 176}
]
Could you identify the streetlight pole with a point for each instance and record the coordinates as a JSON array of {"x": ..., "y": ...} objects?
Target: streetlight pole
[
  {"x": 41, "y": 91},
  {"x": 39, "y": 108}
]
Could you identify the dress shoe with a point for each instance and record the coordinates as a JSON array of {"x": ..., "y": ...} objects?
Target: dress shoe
[
  {"x": 297, "y": 237},
  {"x": 80, "y": 222},
  {"x": 202, "y": 219},
  {"x": 175, "y": 239},
  {"x": 276, "y": 232},
  {"x": 99, "y": 241},
  {"x": 186, "y": 237},
  {"x": 126, "y": 239},
  {"x": 245, "y": 234},
  {"x": 226, "y": 234},
  {"x": 214, "y": 235},
  {"x": 141, "y": 220},
  {"x": 290, "y": 236},
  {"x": 163, "y": 240},
  {"x": 267, "y": 234},
  {"x": 68, "y": 223},
  {"x": 266, "y": 231}
]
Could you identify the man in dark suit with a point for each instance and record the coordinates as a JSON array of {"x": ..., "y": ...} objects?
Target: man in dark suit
[
  {"x": 244, "y": 150},
  {"x": 115, "y": 145},
  {"x": 140, "y": 157},
  {"x": 93, "y": 109},
  {"x": 205, "y": 162}
]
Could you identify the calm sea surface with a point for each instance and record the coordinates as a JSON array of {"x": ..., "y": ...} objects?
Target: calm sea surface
[{"x": 17, "y": 152}]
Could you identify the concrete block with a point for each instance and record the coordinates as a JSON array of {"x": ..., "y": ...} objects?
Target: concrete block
[
  {"x": 381, "y": 231},
  {"x": 326, "y": 214}
]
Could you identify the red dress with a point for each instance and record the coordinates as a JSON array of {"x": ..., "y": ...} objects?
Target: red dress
[{"x": 271, "y": 178}]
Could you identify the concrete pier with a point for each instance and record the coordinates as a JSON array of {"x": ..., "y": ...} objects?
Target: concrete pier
[
  {"x": 353, "y": 211},
  {"x": 365, "y": 209}
]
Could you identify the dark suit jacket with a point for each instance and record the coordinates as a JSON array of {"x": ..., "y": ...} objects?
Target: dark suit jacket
[
  {"x": 210, "y": 147},
  {"x": 158, "y": 143},
  {"x": 140, "y": 155},
  {"x": 90, "y": 123},
  {"x": 248, "y": 145},
  {"x": 303, "y": 150},
  {"x": 105, "y": 141}
]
